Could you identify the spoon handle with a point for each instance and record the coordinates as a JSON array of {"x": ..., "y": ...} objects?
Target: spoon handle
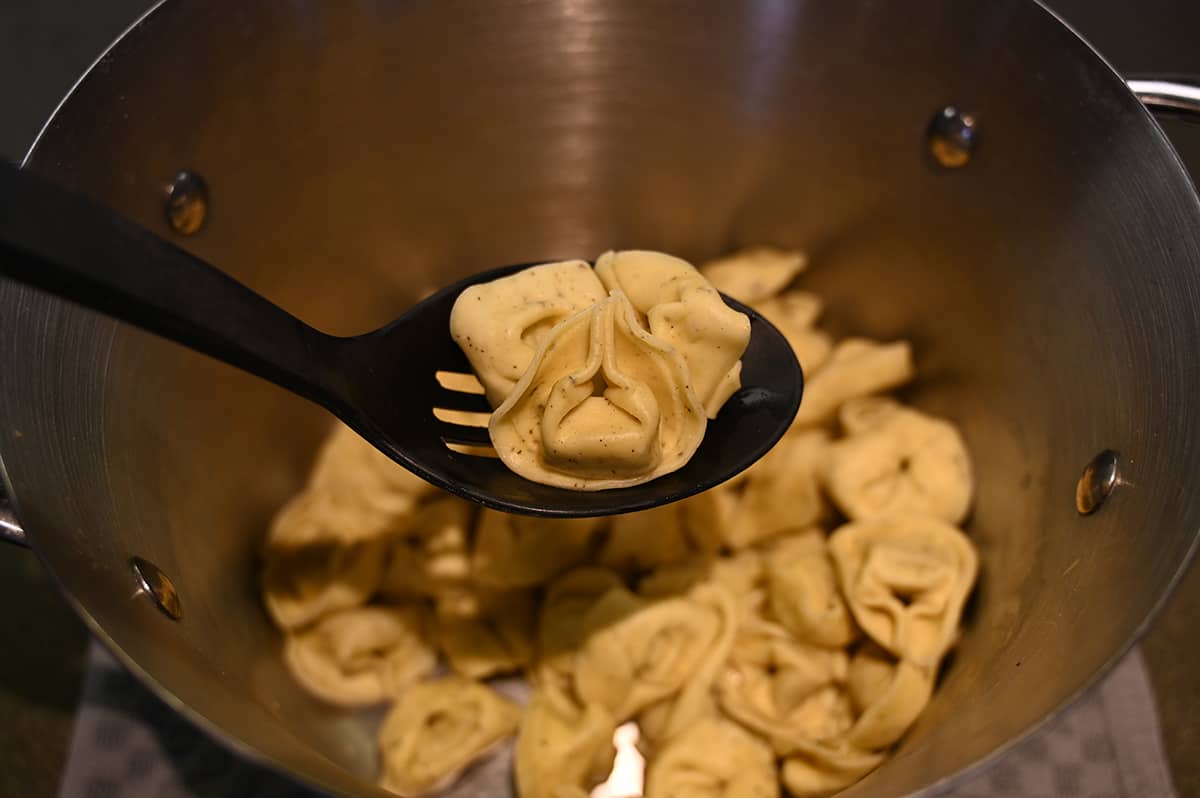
[{"x": 62, "y": 243}]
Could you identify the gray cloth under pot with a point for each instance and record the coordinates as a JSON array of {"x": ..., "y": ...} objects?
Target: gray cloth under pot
[{"x": 128, "y": 744}]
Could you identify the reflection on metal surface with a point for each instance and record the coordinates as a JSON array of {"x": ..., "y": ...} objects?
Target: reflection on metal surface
[
  {"x": 953, "y": 135},
  {"x": 629, "y": 766},
  {"x": 186, "y": 204},
  {"x": 155, "y": 584},
  {"x": 1169, "y": 97},
  {"x": 1097, "y": 482},
  {"x": 10, "y": 530}
]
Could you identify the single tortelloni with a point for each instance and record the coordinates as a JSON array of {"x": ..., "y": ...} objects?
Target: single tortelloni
[
  {"x": 636, "y": 652},
  {"x": 437, "y": 728},
  {"x": 497, "y": 638},
  {"x": 671, "y": 715},
  {"x": 604, "y": 404},
  {"x": 818, "y": 770},
  {"x": 713, "y": 758},
  {"x": 782, "y": 490},
  {"x": 370, "y": 488},
  {"x": 888, "y": 695},
  {"x": 757, "y": 634},
  {"x": 430, "y": 555},
  {"x": 803, "y": 591},
  {"x": 866, "y": 412},
  {"x": 754, "y": 274},
  {"x": 360, "y": 656},
  {"x": 871, "y": 671},
  {"x": 642, "y": 540},
  {"x": 787, "y": 692},
  {"x": 499, "y": 325},
  {"x": 682, "y": 308},
  {"x": 856, "y": 367},
  {"x": 800, "y": 309},
  {"x": 795, "y": 314},
  {"x": 561, "y": 745},
  {"x": 565, "y": 608},
  {"x": 708, "y": 516},
  {"x": 522, "y": 551},
  {"x": 904, "y": 463},
  {"x": 738, "y": 573},
  {"x": 312, "y": 567},
  {"x": 906, "y": 580}
]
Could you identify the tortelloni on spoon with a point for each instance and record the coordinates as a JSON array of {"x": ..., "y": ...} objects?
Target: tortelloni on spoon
[
  {"x": 680, "y": 306},
  {"x": 499, "y": 325},
  {"x": 604, "y": 405},
  {"x": 597, "y": 390}
]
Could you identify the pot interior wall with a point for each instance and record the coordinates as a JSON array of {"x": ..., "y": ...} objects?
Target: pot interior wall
[{"x": 361, "y": 153}]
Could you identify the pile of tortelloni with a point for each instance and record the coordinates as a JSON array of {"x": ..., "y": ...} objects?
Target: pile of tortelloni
[
  {"x": 601, "y": 378},
  {"x": 783, "y": 629}
]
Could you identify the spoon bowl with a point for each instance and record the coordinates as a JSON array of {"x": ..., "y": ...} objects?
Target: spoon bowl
[
  {"x": 748, "y": 425},
  {"x": 406, "y": 388}
]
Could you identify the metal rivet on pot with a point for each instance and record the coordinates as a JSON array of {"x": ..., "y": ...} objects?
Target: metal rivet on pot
[
  {"x": 154, "y": 583},
  {"x": 186, "y": 202},
  {"x": 1097, "y": 482},
  {"x": 953, "y": 135}
]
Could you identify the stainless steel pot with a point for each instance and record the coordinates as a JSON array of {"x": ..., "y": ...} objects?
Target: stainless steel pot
[{"x": 359, "y": 153}]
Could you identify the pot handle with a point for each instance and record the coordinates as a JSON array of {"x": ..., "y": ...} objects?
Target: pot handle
[
  {"x": 1169, "y": 95},
  {"x": 10, "y": 530}
]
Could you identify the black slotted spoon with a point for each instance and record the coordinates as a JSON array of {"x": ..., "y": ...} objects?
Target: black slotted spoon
[{"x": 384, "y": 384}]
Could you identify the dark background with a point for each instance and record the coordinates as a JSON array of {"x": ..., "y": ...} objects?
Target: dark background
[{"x": 46, "y": 44}]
